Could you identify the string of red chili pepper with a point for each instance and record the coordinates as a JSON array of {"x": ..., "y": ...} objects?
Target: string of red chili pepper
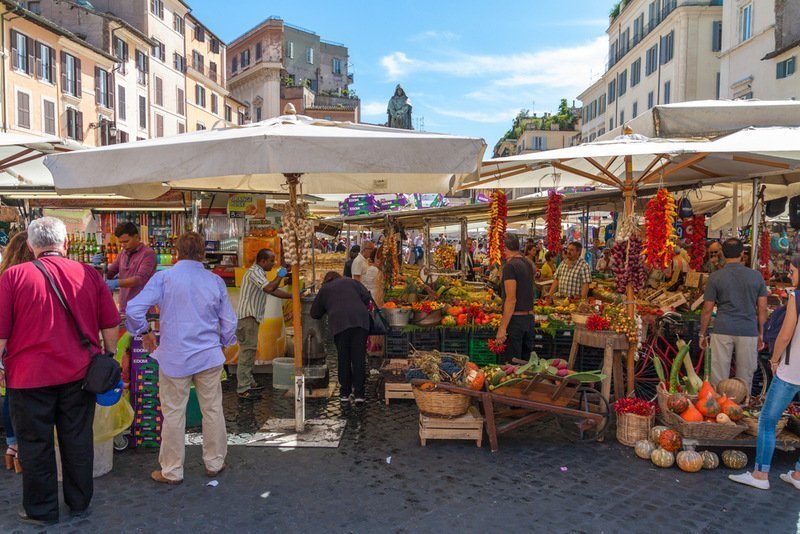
[
  {"x": 553, "y": 223},
  {"x": 498, "y": 212},
  {"x": 695, "y": 228},
  {"x": 764, "y": 254},
  {"x": 660, "y": 240},
  {"x": 597, "y": 322},
  {"x": 635, "y": 406}
]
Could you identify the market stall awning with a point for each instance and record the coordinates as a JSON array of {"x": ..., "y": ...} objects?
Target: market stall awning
[
  {"x": 332, "y": 157},
  {"x": 22, "y": 161},
  {"x": 602, "y": 163}
]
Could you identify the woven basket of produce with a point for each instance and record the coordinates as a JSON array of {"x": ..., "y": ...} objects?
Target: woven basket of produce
[
  {"x": 632, "y": 427},
  {"x": 664, "y": 396},
  {"x": 427, "y": 319},
  {"x": 580, "y": 318},
  {"x": 752, "y": 425},
  {"x": 440, "y": 403},
  {"x": 704, "y": 430}
]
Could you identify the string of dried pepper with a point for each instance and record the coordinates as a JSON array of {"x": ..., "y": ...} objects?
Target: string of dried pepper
[
  {"x": 764, "y": 253},
  {"x": 695, "y": 230},
  {"x": 660, "y": 239},
  {"x": 553, "y": 223},
  {"x": 498, "y": 212}
]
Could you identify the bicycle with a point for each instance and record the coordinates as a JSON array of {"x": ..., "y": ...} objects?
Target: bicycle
[{"x": 658, "y": 346}]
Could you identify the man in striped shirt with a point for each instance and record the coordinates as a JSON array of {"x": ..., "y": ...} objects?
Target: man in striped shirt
[{"x": 250, "y": 312}]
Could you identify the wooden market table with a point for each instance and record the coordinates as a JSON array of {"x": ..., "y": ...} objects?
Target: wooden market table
[
  {"x": 615, "y": 349},
  {"x": 581, "y": 412}
]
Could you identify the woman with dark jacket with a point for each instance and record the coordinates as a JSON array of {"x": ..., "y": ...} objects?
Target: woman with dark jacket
[{"x": 346, "y": 302}]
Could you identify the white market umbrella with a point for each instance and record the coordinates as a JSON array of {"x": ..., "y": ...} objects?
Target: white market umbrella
[
  {"x": 332, "y": 157},
  {"x": 22, "y": 160},
  {"x": 326, "y": 156}
]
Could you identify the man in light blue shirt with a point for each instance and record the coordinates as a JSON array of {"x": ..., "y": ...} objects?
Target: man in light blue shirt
[{"x": 197, "y": 321}]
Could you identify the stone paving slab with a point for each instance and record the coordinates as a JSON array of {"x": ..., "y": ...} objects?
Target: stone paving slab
[{"x": 444, "y": 487}]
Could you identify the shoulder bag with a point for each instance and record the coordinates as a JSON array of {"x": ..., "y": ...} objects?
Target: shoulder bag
[
  {"x": 104, "y": 371},
  {"x": 378, "y": 325}
]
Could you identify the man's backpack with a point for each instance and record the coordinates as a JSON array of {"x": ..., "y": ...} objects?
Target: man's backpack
[{"x": 773, "y": 326}]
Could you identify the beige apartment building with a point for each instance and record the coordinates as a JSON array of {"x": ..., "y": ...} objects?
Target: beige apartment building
[
  {"x": 660, "y": 51},
  {"x": 53, "y": 81},
  {"x": 117, "y": 37},
  {"x": 210, "y": 104},
  {"x": 760, "y": 49}
]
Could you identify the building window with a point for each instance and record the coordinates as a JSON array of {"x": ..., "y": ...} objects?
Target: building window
[
  {"x": 45, "y": 63},
  {"x": 23, "y": 110},
  {"x": 158, "y": 91},
  {"x": 602, "y": 104},
  {"x": 718, "y": 86},
  {"x": 612, "y": 91},
  {"x": 259, "y": 51},
  {"x": 636, "y": 72},
  {"x": 745, "y": 22},
  {"x": 228, "y": 113},
  {"x": 622, "y": 82},
  {"x": 258, "y": 114},
  {"x": 159, "y": 50},
  {"x": 716, "y": 36},
  {"x": 181, "y": 128},
  {"x": 74, "y": 124},
  {"x": 650, "y": 100},
  {"x": 611, "y": 123},
  {"x": 651, "y": 62},
  {"x": 121, "y": 51},
  {"x": 103, "y": 89},
  {"x": 638, "y": 29},
  {"x": 177, "y": 23},
  {"x": 179, "y": 62},
  {"x": 35, "y": 6},
  {"x": 244, "y": 58},
  {"x": 635, "y": 110},
  {"x": 310, "y": 55},
  {"x": 122, "y": 112},
  {"x": 21, "y": 52},
  {"x": 159, "y": 125},
  {"x": 122, "y": 137},
  {"x": 199, "y": 33},
  {"x": 291, "y": 50},
  {"x": 142, "y": 67},
  {"x": 180, "y": 98},
  {"x": 337, "y": 66},
  {"x": 667, "y": 47},
  {"x": 49, "y": 117},
  {"x": 212, "y": 70},
  {"x": 234, "y": 64},
  {"x": 157, "y": 8},
  {"x": 214, "y": 46},
  {"x": 200, "y": 95},
  {"x": 70, "y": 75},
  {"x": 142, "y": 113},
  {"x": 214, "y": 104},
  {"x": 241, "y": 118},
  {"x": 785, "y": 68},
  {"x": 198, "y": 62},
  {"x": 667, "y": 88}
]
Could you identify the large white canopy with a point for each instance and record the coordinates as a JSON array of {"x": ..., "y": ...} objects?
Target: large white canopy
[
  {"x": 21, "y": 160},
  {"x": 333, "y": 157}
]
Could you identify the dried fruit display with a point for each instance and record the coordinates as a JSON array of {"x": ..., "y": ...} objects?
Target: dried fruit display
[
  {"x": 498, "y": 211},
  {"x": 629, "y": 264},
  {"x": 660, "y": 239},
  {"x": 695, "y": 231},
  {"x": 553, "y": 223}
]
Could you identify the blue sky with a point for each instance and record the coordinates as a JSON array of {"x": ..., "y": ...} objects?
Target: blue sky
[{"x": 468, "y": 66}]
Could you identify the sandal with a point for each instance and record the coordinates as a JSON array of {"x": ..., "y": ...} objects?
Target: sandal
[{"x": 12, "y": 459}]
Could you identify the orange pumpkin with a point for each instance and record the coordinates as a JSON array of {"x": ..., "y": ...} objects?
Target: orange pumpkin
[
  {"x": 731, "y": 409},
  {"x": 708, "y": 406},
  {"x": 472, "y": 366},
  {"x": 670, "y": 441},
  {"x": 475, "y": 380},
  {"x": 705, "y": 390},
  {"x": 692, "y": 414},
  {"x": 390, "y": 305}
]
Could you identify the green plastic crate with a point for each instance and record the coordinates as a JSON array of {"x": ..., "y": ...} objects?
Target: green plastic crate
[
  {"x": 490, "y": 359},
  {"x": 479, "y": 347}
]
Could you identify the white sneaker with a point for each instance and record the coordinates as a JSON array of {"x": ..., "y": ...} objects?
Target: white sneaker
[
  {"x": 749, "y": 480},
  {"x": 787, "y": 477}
]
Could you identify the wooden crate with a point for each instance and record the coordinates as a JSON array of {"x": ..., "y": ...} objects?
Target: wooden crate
[
  {"x": 397, "y": 390},
  {"x": 468, "y": 426}
]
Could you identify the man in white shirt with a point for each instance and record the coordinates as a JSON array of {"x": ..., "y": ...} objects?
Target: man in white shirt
[{"x": 361, "y": 263}]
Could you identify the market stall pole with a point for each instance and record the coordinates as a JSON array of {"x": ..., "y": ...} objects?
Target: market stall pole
[
  {"x": 299, "y": 379},
  {"x": 628, "y": 191}
]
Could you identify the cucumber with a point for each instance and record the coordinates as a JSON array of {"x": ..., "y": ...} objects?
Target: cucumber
[{"x": 676, "y": 367}]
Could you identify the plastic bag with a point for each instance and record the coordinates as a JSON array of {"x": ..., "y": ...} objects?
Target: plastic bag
[{"x": 112, "y": 420}]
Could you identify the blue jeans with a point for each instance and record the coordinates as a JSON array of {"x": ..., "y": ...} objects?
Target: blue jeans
[
  {"x": 11, "y": 439},
  {"x": 779, "y": 396}
]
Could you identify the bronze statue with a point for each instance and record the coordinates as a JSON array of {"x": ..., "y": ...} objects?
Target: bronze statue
[{"x": 399, "y": 110}]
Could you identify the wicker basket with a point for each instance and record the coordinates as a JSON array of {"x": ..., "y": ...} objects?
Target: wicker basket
[
  {"x": 663, "y": 399},
  {"x": 631, "y": 427},
  {"x": 705, "y": 430},
  {"x": 580, "y": 318},
  {"x": 441, "y": 403},
  {"x": 752, "y": 425}
]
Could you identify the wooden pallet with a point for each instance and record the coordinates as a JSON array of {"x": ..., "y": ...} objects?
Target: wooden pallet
[
  {"x": 468, "y": 426},
  {"x": 397, "y": 390}
]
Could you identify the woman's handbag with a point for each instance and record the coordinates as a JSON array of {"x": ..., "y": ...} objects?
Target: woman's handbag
[
  {"x": 104, "y": 372},
  {"x": 378, "y": 325}
]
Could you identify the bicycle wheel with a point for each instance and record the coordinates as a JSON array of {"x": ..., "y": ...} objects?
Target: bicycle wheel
[
  {"x": 761, "y": 379},
  {"x": 575, "y": 429},
  {"x": 645, "y": 379}
]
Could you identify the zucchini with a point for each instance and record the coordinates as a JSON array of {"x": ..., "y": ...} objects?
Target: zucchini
[
  {"x": 707, "y": 363},
  {"x": 676, "y": 367},
  {"x": 694, "y": 381},
  {"x": 660, "y": 371}
]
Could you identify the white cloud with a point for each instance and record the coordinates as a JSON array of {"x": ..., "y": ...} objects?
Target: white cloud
[
  {"x": 565, "y": 67},
  {"x": 487, "y": 117},
  {"x": 372, "y": 109},
  {"x": 432, "y": 35}
]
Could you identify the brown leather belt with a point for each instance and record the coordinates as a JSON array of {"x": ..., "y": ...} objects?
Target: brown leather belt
[{"x": 523, "y": 313}]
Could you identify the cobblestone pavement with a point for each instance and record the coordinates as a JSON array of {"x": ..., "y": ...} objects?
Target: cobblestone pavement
[{"x": 448, "y": 486}]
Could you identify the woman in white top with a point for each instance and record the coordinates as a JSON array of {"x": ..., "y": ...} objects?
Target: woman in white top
[{"x": 785, "y": 385}]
